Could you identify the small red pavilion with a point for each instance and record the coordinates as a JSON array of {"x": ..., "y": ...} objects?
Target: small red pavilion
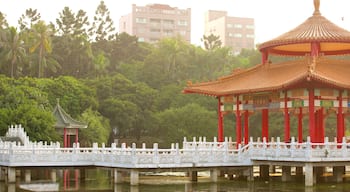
[
  {"x": 312, "y": 86},
  {"x": 67, "y": 126}
]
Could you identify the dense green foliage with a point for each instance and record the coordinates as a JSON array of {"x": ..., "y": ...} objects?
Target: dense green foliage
[{"x": 123, "y": 89}]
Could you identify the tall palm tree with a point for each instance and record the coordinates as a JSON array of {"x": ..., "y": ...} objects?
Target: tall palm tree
[
  {"x": 41, "y": 41},
  {"x": 13, "y": 46}
]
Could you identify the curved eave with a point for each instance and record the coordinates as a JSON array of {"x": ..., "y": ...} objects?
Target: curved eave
[
  {"x": 329, "y": 81},
  {"x": 302, "y": 48},
  {"x": 194, "y": 90}
]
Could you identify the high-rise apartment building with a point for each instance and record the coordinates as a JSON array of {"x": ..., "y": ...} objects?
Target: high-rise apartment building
[
  {"x": 235, "y": 32},
  {"x": 153, "y": 22}
]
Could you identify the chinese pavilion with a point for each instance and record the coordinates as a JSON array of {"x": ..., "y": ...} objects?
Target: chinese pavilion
[
  {"x": 66, "y": 124},
  {"x": 312, "y": 86}
]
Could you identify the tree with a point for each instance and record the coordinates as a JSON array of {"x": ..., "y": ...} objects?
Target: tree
[
  {"x": 80, "y": 25},
  {"x": 28, "y": 19},
  {"x": 24, "y": 103},
  {"x": 211, "y": 42},
  {"x": 98, "y": 129},
  {"x": 3, "y": 21},
  {"x": 41, "y": 42},
  {"x": 169, "y": 62},
  {"x": 102, "y": 26},
  {"x": 66, "y": 22},
  {"x": 14, "y": 50},
  {"x": 187, "y": 121},
  {"x": 71, "y": 46}
]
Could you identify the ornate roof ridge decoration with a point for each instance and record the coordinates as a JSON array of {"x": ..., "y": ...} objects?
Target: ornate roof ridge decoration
[
  {"x": 333, "y": 39},
  {"x": 317, "y": 7},
  {"x": 64, "y": 120}
]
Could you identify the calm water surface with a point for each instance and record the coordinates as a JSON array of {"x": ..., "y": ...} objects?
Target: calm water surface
[{"x": 99, "y": 181}]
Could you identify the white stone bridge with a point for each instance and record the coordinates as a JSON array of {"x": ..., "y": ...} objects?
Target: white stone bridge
[{"x": 193, "y": 155}]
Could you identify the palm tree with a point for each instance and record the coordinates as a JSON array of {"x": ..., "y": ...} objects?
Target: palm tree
[
  {"x": 13, "y": 47},
  {"x": 41, "y": 41}
]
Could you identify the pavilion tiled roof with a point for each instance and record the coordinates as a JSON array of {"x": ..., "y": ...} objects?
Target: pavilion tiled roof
[
  {"x": 64, "y": 120},
  {"x": 333, "y": 40},
  {"x": 270, "y": 77}
]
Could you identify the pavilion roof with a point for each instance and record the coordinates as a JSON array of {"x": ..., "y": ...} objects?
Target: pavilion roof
[
  {"x": 64, "y": 120},
  {"x": 333, "y": 40},
  {"x": 270, "y": 77}
]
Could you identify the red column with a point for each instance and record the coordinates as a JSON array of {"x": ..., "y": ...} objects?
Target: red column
[
  {"x": 264, "y": 57},
  {"x": 238, "y": 123},
  {"x": 265, "y": 124},
  {"x": 246, "y": 127},
  {"x": 340, "y": 119},
  {"x": 76, "y": 135},
  {"x": 315, "y": 49},
  {"x": 286, "y": 119},
  {"x": 220, "y": 124},
  {"x": 64, "y": 137},
  {"x": 300, "y": 125},
  {"x": 312, "y": 130}
]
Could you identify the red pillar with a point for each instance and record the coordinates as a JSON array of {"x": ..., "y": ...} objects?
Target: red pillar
[
  {"x": 76, "y": 135},
  {"x": 312, "y": 130},
  {"x": 300, "y": 125},
  {"x": 340, "y": 119},
  {"x": 64, "y": 137},
  {"x": 246, "y": 127},
  {"x": 286, "y": 119},
  {"x": 265, "y": 124},
  {"x": 220, "y": 122},
  {"x": 238, "y": 123},
  {"x": 264, "y": 57}
]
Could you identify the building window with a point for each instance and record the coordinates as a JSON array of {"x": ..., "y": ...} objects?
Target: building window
[
  {"x": 238, "y": 26},
  {"x": 249, "y": 26},
  {"x": 168, "y": 32},
  {"x": 182, "y": 23},
  {"x": 229, "y": 25},
  {"x": 141, "y": 20},
  {"x": 250, "y": 36},
  {"x": 154, "y": 20},
  {"x": 238, "y": 35},
  {"x": 155, "y": 30},
  {"x": 167, "y": 21}
]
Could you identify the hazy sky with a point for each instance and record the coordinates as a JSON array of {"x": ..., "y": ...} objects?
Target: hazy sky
[{"x": 272, "y": 17}]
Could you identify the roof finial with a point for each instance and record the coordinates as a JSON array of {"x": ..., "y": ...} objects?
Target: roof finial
[{"x": 317, "y": 7}]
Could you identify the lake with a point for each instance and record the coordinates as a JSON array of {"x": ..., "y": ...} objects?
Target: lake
[{"x": 99, "y": 180}]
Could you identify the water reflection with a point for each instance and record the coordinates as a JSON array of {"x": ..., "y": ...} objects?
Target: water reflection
[{"x": 98, "y": 180}]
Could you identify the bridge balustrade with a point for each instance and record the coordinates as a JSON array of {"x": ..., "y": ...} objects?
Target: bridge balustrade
[{"x": 195, "y": 153}]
